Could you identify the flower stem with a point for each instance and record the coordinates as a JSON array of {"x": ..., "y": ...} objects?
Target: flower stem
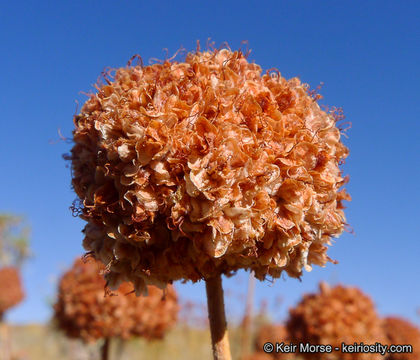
[
  {"x": 249, "y": 315},
  {"x": 5, "y": 352},
  {"x": 105, "y": 349},
  {"x": 217, "y": 318}
]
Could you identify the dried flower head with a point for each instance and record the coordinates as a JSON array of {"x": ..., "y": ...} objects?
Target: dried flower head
[
  {"x": 402, "y": 332},
  {"x": 11, "y": 292},
  {"x": 274, "y": 334},
  {"x": 336, "y": 315},
  {"x": 189, "y": 169},
  {"x": 85, "y": 311},
  {"x": 258, "y": 356}
]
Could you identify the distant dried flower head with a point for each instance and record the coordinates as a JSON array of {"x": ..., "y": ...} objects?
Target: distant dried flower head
[
  {"x": 340, "y": 314},
  {"x": 84, "y": 311},
  {"x": 258, "y": 356},
  {"x": 402, "y": 332},
  {"x": 274, "y": 334},
  {"x": 186, "y": 170},
  {"x": 11, "y": 292}
]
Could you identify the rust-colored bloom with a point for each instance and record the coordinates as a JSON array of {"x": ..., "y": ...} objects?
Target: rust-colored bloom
[
  {"x": 11, "y": 291},
  {"x": 336, "y": 315},
  {"x": 186, "y": 170},
  {"x": 84, "y": 311},
  {"x": 274, "y": 334},
  {"x": 258, "y": 356},
  {"x": 399, "y": 331},
  {"x": 270, "y": 333}
]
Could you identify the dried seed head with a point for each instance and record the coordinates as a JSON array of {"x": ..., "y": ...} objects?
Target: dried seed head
[
  {"x": 189, "y": 169},
  {"x": 84, "y": 310},
  {"x": 402, "y": 332},
  {"x": 11, "y": 292},
  {"x": 273, "y": 334},
  {"x": 258, "y": 356},
  {"x": 336, "y": 315}
]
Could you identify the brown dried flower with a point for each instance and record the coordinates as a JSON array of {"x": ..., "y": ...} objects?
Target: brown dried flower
[
  {"x": 271, "y": 333},
  {"x": 402, "y": 332},
  {"x": 11, "y": 292},
  {"x": 274, "y": 334},
  {"x": 340, "y": 314},
  {"x": 187, "y": 170},
  {"x": 84, "y": 311},
  {"x": 258, "y": 356}
]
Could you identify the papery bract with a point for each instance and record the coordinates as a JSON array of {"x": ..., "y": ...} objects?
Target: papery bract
[{"x": 206, "y": 167}]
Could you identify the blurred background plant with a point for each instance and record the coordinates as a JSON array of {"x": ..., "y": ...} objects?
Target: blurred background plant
[
  {"x": 335, "y": 315},
  {"x": 332, "y": 316},
  {"x": 86, "y": 309},
  {"x": 14, "y": 250},
  {"x": 402, "y": 331},
  {"x": 188, "y": 339},
  {"x": 14, "y": 240}
]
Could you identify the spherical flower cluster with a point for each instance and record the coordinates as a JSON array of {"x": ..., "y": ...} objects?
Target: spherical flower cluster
[
  {"x": 401, "y": 332},
  {"x": 11, "y": 292},
  {"x": 84, "y": 310},
  {"x": 336, "y": 315},
  {"x": 186, "y": 170},
  {"x": 273, "y": 334},
  {"x": 258, "y": 356}
]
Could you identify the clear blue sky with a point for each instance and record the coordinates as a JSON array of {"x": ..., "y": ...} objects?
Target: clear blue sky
[{"x": 366, "y": 52}]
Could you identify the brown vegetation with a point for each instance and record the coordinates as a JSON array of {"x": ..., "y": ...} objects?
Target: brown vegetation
[
  {"x": 186, "y": 170},
  {"x": 11, "y": 291},
  {"x": 258, "y": 356},
  {"x": 274, "y": 334},
  {"x": 196, "y": 169},
  {"x": 84, "y": 309},
  {"x": 399, "y": 331},
  {"x": 335, "y": 315}
]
